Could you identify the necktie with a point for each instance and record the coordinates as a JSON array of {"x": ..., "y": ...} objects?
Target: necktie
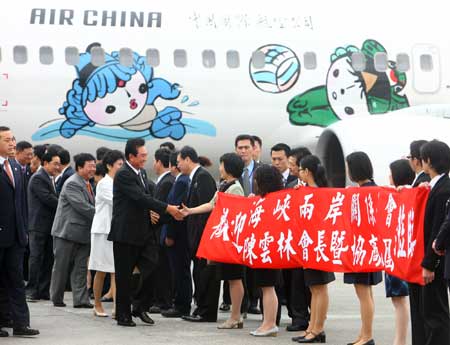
[
  {"x": 141, "y": 178},
  {"x": 89, "y": 187},
  {"x": 246, "y": 182},
  {"x": 9, "y": 171}
]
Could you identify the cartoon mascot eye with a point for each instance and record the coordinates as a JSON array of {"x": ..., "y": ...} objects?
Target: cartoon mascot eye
[
  {"x": 110, "y": 109},
  {"x": 143, "y": 88}
]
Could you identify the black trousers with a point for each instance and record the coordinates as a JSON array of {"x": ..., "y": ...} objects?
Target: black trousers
[
  {"x": 40, "y": 263},
  {"x": 430, "y": 318},
  {"x": 163, "y": 281},
  {"x": 207, "y": 289},
  {"x": 126, "y": 257},
  {"x": 11, "y": 274},
  {"x": 298, "y": 296}
]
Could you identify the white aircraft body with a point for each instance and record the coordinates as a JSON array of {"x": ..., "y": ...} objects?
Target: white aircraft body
[{"x": 334, "y": 76}]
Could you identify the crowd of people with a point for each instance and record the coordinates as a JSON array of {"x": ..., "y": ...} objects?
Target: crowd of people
[{"x": 103, "y": 221}]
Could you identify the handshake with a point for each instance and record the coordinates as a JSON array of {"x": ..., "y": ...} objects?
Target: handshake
[{"x": 174, "y": 211}]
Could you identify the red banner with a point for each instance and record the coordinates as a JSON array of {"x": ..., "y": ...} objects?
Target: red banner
[{"x": 330, "y": 229}]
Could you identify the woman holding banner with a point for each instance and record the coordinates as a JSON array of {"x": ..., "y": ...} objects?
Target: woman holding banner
[
  {"x": 360, "y": 171},
  {"x": 231, "y": 167},
  {"x": 312, "y": 173}
]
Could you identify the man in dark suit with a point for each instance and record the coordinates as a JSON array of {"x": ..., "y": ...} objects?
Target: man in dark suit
[
  {"x": 66, "y": 170},
  {"x": 441, "y": 244},
  {"x": 416, "y": 162},
  {"x": 163, "y": 274},
  {"x": 430, "y": 316},
  {"x": 202, "y": 188},
  {"x": 42, "y": 204},
  {"x": 13, "y": 238},
  {"x": 176, "y": 240},
  {"x": 135, "y": 243},
  {"x": 279, "y": 154}
]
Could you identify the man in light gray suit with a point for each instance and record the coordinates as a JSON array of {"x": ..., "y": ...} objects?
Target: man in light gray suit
[{"x": 71, "y": 233}]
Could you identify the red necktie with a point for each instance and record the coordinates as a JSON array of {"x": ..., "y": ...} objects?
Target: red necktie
[{"x": 8, "y": 171}]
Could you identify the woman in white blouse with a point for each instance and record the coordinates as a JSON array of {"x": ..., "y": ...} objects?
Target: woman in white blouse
[{"x": 102, "y": 259}]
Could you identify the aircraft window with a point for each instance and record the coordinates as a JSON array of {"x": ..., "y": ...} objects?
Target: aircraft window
[
  {"x": 97, "y": 56},
  {"x": 258, "y": 59},
  {"x": 20, "y": 55},
  {"x": 180, "y": 58},
  {"x": 233, "y": 59},
  {"x": 126, "y": 57},
  {"x": 46, "y": 55},
  {"x": 72, "y": 56},
  {"x": 381, "y": 62},
  {"x": 310, "y": 60},
  {"x": 403, "y": 63},
  {"x": 209, "y": 58},
  {"x": 153, "y": 57},
  {"x": 358, "y": 61},
  {"x": 426, "y": 62}
]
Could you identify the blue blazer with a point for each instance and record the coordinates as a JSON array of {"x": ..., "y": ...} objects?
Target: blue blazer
[{"x": 177, "y": 195}]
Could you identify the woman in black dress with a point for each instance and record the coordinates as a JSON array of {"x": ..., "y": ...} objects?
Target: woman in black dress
[
  {"x": 312, "y": 173},
  {"x": 267, "y": 179},
  {"x": 360, "y": 171},
  {"x": 397, "y": 289}
]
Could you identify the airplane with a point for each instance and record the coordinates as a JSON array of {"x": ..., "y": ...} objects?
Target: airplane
[{"x": 333, "y": 76}]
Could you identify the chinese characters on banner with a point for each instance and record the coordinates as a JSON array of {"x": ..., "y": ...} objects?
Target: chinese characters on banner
[{"x": 330, "y": 229}]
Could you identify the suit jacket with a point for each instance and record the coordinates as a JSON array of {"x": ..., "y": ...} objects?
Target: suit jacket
[
  {"x": 13, "y": 224},
  {"x": 132, "y": 202},
  {"x": 162, "y": 190},
  {"x": 42, "y": 202},
  {"x": 101, "y": 224},
  {"x": 292, "y": 183},
  {"x": 421, "y": 178},
  {"x": 434, "y": 217},
  {"x": 66, "y": 174},
  {"x": 202, "y": 190},
  {"x": 292, "y": 179},
  {"x": 241, "y": 179},
  {"x": 75, "y": 211},
  {"x": 177, "y": 195}
]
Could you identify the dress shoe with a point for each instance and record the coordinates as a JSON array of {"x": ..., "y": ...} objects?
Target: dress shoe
[
  {"x": 296, "y": 328},
  {"x": 106, "y": 299},
  {"x": 6, "y": 323},
  {"x": 173, "y": 313},
  {"x": 297, "y": 338},
  {"x": 144, "y": 317},
  {"x": 45, "y": 298},
  {"x": 126, "y": 323},
  {"x": 369, "y": 342},
  {"x": 317, "y": 338},
  {"x": 25, "y": 332},
  {"x": 273, "y": 332},
  {"x": 224, "y": 307},
  {"x": 154, "y": 310},
  {"x": 98, "y": 314},
  {"x": 195, "y": 318},
  {"x": 3, "y": 334},
  {"x": 84, "y": 306},
  {"x": 254, "y": 310},
  {"x": 59, "y": 304},
  {"x": 232, "y": 324},
  {"x": 32, "y": 298}
]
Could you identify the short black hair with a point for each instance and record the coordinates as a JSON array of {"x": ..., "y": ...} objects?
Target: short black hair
[
  {"x": 111, "y": 157},
  {"x": 188, "y": 151},
  {"x": 163, "y": 155},
  {"x": 100, "y": 169},
  {"x": 233, "y": 164},
  {"x": 81, "y": 159},
  {"x": 299, "y": 153},
  {"x": 257, "y": 139},
  {"x": 101, "y": 152},
  {"x": 204, "y": 161},
  {"x": 4, "y": 129},
  {"x": 64, "y": 156},
  {"x": 314, "y": 165},
  {"x": 39, "y": 150},
  {"x": 401, "y": 172},
  {"x": 132, "y": 146},
  {"x": 23, "y": 145},
  {"x": 54, "y": 147},
  {"x": 281, "y": 147},
  {"x": 414, "y": 148},
  {"x": 437, "y": 154},
  {"x": 168, "y": 145},
  {"x": 244, "y": 137},
  {"x": 174, "y": 159},
  {"x": 359, "y": 166},
  {"x": 48, "y": 156},
  {"x": 267, "y": 180}
]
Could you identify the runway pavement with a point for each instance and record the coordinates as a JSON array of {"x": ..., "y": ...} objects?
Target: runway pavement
[{"x": 69, "y": 326}]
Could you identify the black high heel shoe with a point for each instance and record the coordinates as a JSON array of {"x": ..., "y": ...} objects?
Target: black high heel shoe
[
  {"x": 369, "y": 342},
  {"x": 318, "y": 338}
]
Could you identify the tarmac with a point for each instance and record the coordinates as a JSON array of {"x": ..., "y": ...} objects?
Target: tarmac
[{"x": 69, "y": 326}]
